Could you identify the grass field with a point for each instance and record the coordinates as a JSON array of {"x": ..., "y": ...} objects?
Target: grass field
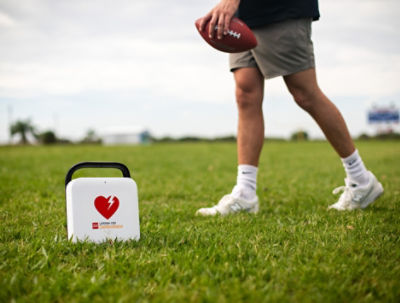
[{"x": 292, "y": 250}]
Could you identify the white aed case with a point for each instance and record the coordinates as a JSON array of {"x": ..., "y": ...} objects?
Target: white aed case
[{"x": 100, "y": 209}]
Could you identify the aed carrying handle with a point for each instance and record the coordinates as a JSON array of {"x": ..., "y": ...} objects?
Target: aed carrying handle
[{"x": 120, "y": 166}]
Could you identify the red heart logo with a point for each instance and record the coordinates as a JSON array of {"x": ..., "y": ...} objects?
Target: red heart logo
[{"x": 106, "y": 206}]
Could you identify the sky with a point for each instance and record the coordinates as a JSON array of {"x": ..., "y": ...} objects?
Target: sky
[{"x": 75, "y": 65}]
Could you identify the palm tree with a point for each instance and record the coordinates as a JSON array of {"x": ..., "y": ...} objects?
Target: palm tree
[{"x": 23, "y": 128}]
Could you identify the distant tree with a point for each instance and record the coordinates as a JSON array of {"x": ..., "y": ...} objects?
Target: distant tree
[
  {"x": 164, "y": 139},
  {"x": 364, "y": 137},
  {"x": 382, "y": 136},
  {"x": 225, "y": 139},
  {"x": 190, "y": 139},
  {"x": 47, "y": 137},
  {"x": 63, "y": 141},
  {"x": 91, "y": 137},
  {"x": 23, "y": 128},
  {"x": 388, "y": 136},
  {"x": 300, "y": 135}
]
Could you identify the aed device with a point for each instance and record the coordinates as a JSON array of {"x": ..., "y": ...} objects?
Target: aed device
[{"x": 100, "y": 209}]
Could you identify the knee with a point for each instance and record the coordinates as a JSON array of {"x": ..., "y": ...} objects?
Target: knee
[
  {"x": 248, "y": 98},
  {"x": 305, "y": 99}
]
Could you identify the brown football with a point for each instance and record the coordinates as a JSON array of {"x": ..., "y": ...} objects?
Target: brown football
[{"x": 238, "y": 39}]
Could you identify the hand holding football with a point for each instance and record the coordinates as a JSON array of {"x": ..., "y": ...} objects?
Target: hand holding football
[{"x": 239, "y": 37}]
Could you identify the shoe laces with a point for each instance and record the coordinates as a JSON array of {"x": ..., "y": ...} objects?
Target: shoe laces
[{"x": 347, "y": 195}]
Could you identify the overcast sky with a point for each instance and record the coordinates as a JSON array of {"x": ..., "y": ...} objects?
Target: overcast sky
[{"x": 75, "y": 65}]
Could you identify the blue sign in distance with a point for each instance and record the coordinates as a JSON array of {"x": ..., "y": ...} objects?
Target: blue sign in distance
[{"x": 383, "y": 116}]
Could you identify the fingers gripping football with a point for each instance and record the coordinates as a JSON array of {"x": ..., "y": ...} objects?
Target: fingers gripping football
[
  {"x": 239, "y": 37},
  {"x": 220, "y": 16}
]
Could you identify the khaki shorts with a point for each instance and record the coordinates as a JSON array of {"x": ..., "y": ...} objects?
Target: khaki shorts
[{"x": 283, "y": 48}]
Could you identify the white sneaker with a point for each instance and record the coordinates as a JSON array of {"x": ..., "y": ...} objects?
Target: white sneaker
[
  {"x": 230, "y": 204},
  {"x": 355, "y": 196}
]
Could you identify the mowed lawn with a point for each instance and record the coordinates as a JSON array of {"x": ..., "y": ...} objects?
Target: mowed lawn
[{"x": 293, "y": 250}]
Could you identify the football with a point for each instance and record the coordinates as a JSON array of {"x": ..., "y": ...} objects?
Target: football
[{"x": 238, "y": 39}]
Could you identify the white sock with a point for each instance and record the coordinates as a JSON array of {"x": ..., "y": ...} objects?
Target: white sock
[
  {"x": 355, "y": 169},
  {"x": 246, "y": 182}
]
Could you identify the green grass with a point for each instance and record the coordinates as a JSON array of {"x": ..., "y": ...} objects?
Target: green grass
[{"x": 292, "y": 250}]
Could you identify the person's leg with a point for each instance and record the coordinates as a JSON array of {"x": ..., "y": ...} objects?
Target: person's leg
[
  {"x": 249, "y": 96},
  {"x": 362, "y": 188},
  {"x": 250, "y": 137},
  {"x": 307, "y": 94}
]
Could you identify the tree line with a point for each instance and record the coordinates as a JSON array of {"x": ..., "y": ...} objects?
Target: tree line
[{"x": 25, "y": 129}]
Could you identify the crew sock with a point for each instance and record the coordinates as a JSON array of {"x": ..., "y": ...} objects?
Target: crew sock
[
  {"x": 355, "y": 169},
  {"x": 246, "y": 182}
]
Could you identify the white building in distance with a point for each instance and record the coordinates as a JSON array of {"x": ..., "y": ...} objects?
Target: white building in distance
[{"x": 125, "y": 135}]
